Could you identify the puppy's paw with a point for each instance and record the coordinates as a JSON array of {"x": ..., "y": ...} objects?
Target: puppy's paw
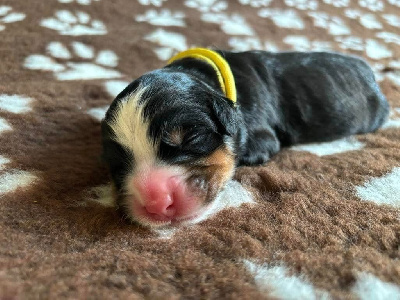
[
  {"x": 261, "y": 145},
  {"x": 254, "y": 159}
]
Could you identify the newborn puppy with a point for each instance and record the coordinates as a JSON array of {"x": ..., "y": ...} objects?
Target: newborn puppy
[{"x": 172, "y": 138}]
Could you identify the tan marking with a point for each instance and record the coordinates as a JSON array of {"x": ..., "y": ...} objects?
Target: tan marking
[
  {"x": 218, "y": 168},
  {"x": 131, "y": 128}
]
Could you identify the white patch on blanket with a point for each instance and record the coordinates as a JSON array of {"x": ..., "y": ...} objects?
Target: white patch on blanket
[
  {"x": 393, "y": 121},
  {"x": 16, "y": 104},
  {"x": 4, "y": 10},
  {"x": 372, "y": 48},
  {"x": 376, "y": 50},
  {"x": 41, "y": 62},
  {"x": 373, "y": 5},
  {"x": 234, "y": 195},
  {"x": 378, "y": 68},
  {"x": 205, "y": 6},
  {"x": 394, "y": 2},
  {"x": 3, "y": 161},
  {"x": 367, "y": 20},
  {"x": 164, "y": 53},
  {"x": 81, "y": 2},
  {"x": 394, "y": 77},
  {"x": 79, "y": 23},
  {"x": 302, "y": 4},
  {"x": 389, "y": 37},
  {"x": 157, "y": 3},
  {"x": 395, "y": 64},
  {"x": 170, "y": 42},
  {"x": 165, "y": 233},
  {"x": 107, "y": 58},
  {"x": 7, "y": 16},
  {"x": 83, "y": 50},
  {"x": 329, "y": 148},
  {"x": 233, "y": 24},
  {"x": 382, "y": 190},
  {"x": 275, "y": 282},
  {"x": 338, "y": 3},
  {"x": 334, "y": 24},
  {"x": 14, "y": 179},
  {"x": 302, "y": 43},
  {"x": 98, "y": 112},
  {"x": 369, "y": 287},
  {"x": 350, "y": 42},
  {"x": 283, "y": 18},
  {"x": 58, "y": 50},
  {"x": 256, "y": 3},
  {"x": 163, "y": 18},
  {"x": 114, "y": 87},
  {"x": 393, "y": 20},
  {"x": 4, "y": 126},
  {"x": 98, "y": 66}
]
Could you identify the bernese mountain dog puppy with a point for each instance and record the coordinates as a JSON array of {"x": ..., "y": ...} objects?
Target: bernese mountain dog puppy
[{"x": 173, "y": 138}]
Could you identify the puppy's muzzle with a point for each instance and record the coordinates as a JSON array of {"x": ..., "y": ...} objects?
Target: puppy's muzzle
[{"x": 162, "y": 196}]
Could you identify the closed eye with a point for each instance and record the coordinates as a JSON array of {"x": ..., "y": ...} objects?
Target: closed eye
[
  {"x": 201, "y": 143},
  {"x": 193, "y": 138},
  {"x": 186, "y": 144}
]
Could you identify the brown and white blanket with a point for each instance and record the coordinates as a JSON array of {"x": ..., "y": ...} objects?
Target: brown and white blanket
[{"x": 317, "y": 222}]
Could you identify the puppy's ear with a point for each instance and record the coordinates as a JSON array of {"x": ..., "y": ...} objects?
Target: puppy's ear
[{"x": 226, "y": 115}]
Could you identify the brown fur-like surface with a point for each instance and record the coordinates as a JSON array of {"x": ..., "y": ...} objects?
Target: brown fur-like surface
[{"x": 57, "y": 238}]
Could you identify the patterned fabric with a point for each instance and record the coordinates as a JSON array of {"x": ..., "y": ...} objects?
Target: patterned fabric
[{"x": 318, "y": 221}]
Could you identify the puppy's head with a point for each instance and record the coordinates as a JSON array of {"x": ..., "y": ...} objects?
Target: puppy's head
[{"x": 168, "y": 142}]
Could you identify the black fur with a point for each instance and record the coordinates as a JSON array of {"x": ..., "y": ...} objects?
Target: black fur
[
  {"x": 282, "y": 99},
  {"x": 294, "y": 97}
]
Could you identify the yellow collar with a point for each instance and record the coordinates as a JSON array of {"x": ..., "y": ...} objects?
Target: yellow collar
[{"x": 219, "y": 64}]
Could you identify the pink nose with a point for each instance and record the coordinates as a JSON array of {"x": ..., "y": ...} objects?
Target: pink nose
[
  {"x": 161, "y": 204},
  {"x": 161, "y": 193}
]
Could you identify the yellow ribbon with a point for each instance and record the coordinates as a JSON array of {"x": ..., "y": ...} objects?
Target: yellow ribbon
[{"x": 219, "y": 64}]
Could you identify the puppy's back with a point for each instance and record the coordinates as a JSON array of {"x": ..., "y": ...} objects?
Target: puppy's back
[
  {"x": 329, "y": 95},
  {"x": 319, "y": 96}
]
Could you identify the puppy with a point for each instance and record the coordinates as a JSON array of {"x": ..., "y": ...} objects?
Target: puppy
[{"x": 173, "y": 137}]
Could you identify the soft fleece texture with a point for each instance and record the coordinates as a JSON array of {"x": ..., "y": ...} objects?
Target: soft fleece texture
[{"x": 318, "y": 227}]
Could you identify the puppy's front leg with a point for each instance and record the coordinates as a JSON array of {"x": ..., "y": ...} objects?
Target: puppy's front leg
[{"x": 260, "y": 146}]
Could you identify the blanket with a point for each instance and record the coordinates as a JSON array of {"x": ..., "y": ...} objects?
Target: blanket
[{"x": 318, "y": 221}]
